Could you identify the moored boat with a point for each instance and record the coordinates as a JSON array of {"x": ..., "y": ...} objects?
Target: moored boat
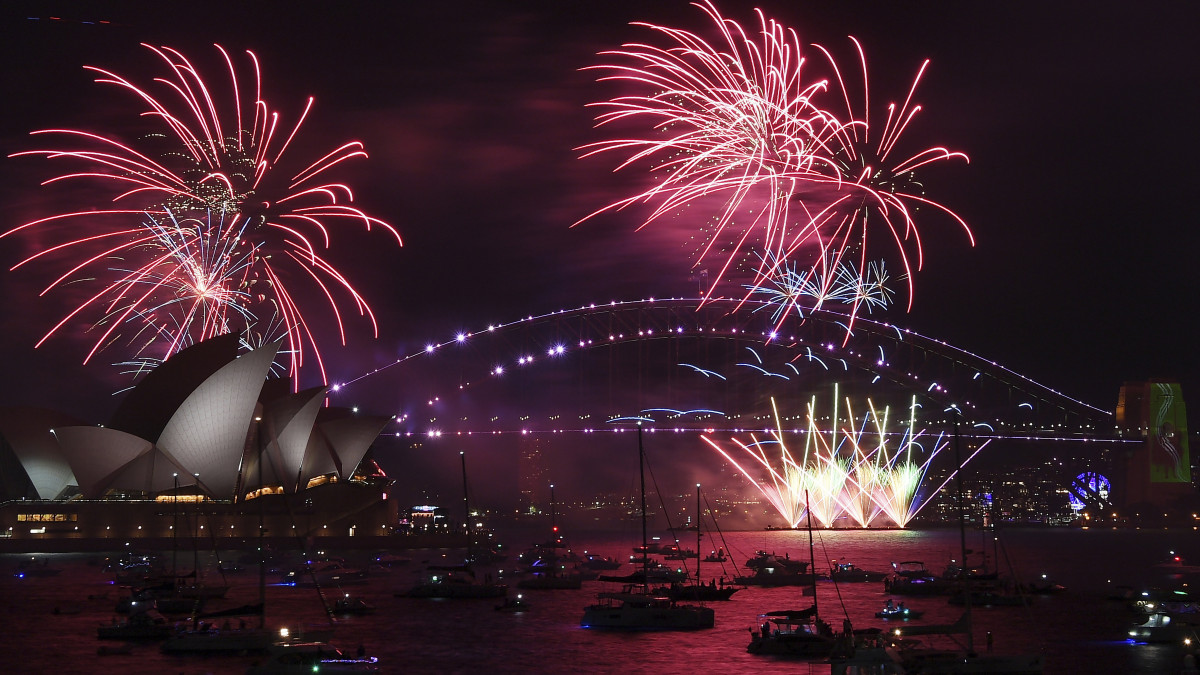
[
  {"x": 637, "y": 607},
  {"x": 348, "y": 604},
  {"x": 312, "y": 657},
  {"x": 599, "y": 563},
  {"x": 144, "y": 625},
  {"x": 911, "y": 577},
  {"x": 850, "y": 573},
  {"x": 797, "y": 633},
  {"x": 514, "y": 604},
  {"x": 898, "y": 612},
  {"x": 457, "y": 584}
]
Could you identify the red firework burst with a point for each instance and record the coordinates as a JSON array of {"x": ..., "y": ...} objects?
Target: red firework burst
[{"x": 214, "y": 150}]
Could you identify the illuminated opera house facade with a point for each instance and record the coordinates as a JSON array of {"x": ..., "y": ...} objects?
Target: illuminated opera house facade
[{"x": 204, "y": 446}]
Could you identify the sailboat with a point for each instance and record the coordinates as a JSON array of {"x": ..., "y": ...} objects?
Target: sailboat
[
  {"x": 962, "y": 661},
  {"x": 205, "y": 637},
  {"x": 547, "y": 567},
  {"x": 458, "y": 581},
  {"x": 636, "y": 607},
  {"x": 698, "y": 590},
  {"x": 799, "y": 633}
]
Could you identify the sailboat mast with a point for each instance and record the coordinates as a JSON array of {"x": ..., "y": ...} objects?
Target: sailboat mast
[
  {"x": 642, "y": 476},
  {"x": 962, "y": 535},
  {"x": 812, "y": 564},
  {"x": 262, "y": 553},
  {"x": 698, "y": 555},
  {"x": 175, "y": 531},
  {"x": 466, "y": 503}
]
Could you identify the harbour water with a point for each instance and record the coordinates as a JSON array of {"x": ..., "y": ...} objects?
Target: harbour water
[{"x": 49, "y": 623}]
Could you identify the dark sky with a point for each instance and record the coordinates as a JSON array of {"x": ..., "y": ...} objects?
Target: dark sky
[{"x": 1079, "y": 119}]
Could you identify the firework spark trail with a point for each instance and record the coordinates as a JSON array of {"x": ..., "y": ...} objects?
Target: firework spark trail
[
  {"x": 743, "y": 120},
  {"x": 734, "y": 121},
  {"x": 831, "y": 282},
  {"x": 218, "y": 154},
  {"x": 187, "y": 272},
  {"x": 873, "y": 181},
  {"x": 846, "y": 470}
]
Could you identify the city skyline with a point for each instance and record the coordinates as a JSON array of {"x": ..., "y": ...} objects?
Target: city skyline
[{"x": 473, "y": 117}]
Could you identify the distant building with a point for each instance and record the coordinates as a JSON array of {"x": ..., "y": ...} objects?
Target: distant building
[
  {"x": 531, "y": 467},
  {"x": 1158, "y": 471},
  {"x": 205, "y": 427}
]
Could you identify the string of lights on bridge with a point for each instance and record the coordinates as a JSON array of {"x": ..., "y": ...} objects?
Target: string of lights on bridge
[{"x": 560, "y": 349}]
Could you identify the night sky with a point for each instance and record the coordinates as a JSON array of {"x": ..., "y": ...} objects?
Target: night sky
[{"x": 1079, "y": 120}]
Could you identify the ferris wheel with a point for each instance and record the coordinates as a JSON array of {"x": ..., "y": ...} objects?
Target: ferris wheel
[{"x": 1089, "y": 489}]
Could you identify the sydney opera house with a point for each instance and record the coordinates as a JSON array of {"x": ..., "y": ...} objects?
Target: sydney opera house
[{"x": 205, "y": 446}]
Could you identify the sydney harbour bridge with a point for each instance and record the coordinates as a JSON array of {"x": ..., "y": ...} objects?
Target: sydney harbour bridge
[{"x": 725, "y": 368}]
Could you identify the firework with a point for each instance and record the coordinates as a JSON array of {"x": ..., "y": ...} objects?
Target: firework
[
  {"x": 844, "y": 470},
  {"x": 733, "y": 123},
  {"x": 742, "y": 128},
  {"x": 874, "y": 181},
  {"x": 789, "y": 291},
  {"x": 210, "y": 154}
]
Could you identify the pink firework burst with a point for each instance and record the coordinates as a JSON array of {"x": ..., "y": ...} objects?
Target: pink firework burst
[
  {"x": 733, "y": 125},
  {"x": 216, "y": 149},
  {"x": 782, "y": 164},
  {"x": 876, "y": 180}
]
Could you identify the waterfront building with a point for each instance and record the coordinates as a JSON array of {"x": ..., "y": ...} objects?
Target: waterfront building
[{"x": 206, "y": 434}]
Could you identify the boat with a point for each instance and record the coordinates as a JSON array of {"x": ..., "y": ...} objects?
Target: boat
[
  {"x": 391, "y": 560},
  {"x": 1163, "y": 627},
  {"x": 325, "y": 573},
  {"x": 961, "y": 660},
  {"x": 898, "y": 612},
  {"x": 36, "y": 568},
  {"x": 870, "y": 653},
  {"x": 144, "y": 625},
  {"x": 797, "y": 633},
  {"x": 650, "y": 570},
  {"x": 653, "y": 547},
  {"x": 636, "y": 607},
  {"x": 551, "y": 566},
  {"x": 696, "y": 589},
  {"x": 772, "y": 577},
  {"x": 1043, "y": 586},
  {"x": 513, "y": 604},
  {"x": 850, "y": 573},
  {"x": 699, "y": 592},
  {"x": 674, "y": 552},
  {"x": 348, "y": 604},
  {"x": 954, "y": 572},
  {"x": 552, "y": 576},
  {"x": 717, "y": 556},
  {"x": 206, "y": 637},
  {"x": 1174, "y": 565},
  {"x": 458, "y": 582},
  {"x": 599, "y": 563},
  {"x": 911, "y": 577},
  {"x": 455, "y": 583},
  {"x": 312, "y": 657},
  {"x": 764, "y": 560}
]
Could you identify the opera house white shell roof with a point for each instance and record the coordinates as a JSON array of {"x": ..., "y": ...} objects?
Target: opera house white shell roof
[{"x": 198, "y": 421}]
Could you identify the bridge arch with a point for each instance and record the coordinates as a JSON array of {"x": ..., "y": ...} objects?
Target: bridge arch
[{"x": 653, "y": 340}]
